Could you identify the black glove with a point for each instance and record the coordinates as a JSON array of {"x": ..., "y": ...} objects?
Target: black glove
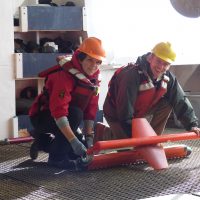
[{"x": 78, "y": 147}]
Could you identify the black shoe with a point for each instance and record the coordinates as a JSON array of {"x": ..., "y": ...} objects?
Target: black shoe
[
  {"x": 34, "y": 150},
  {"x": 63, "y": 164}
]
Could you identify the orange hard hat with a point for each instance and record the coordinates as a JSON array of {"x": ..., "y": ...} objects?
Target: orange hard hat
[{"x": 92, "y": 46}]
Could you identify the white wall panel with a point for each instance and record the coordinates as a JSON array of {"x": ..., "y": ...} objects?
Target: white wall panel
[
  {"x": 7, "y": 83},
  {"x": 106, "y": 75}
]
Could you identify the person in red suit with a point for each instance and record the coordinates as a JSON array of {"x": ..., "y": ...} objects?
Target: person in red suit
[{"x": 70, "y": 96}]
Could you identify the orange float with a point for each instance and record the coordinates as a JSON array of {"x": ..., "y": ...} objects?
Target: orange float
[{"x": 145, "y": 147}]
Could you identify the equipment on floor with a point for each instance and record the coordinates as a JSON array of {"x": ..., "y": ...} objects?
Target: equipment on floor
[
  {"x": 16, "y": 140},
  {"x": 144, "y": 146}
]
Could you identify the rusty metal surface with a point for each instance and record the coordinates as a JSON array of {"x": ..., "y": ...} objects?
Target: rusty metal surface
[{"x": 24, "y": 179}]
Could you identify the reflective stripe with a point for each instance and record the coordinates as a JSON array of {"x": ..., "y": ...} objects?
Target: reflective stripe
[
  {"x": 164, "y": 81},
  {"x": 140, "y": 72},
  {"x": 100, "y": 78},
  {"x": 146, "y": 86},
  {"x": 79, "y": 75},
  {"x": 64, "y": 60},
  {"x": 166, "y": 78},
  {"x": 73, "y": 71},
  {"x": 164, "y": 84}
]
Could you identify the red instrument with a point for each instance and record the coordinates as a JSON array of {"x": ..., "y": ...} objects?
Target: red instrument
[{"x": 145, "y": 146}]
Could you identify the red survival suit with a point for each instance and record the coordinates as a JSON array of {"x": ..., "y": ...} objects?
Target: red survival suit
[{"x": 65, "y": 88}]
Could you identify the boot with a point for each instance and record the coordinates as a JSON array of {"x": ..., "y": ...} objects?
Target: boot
[
  {"x": 34, "y": 150},
  {"x": 63, "y": 162}
]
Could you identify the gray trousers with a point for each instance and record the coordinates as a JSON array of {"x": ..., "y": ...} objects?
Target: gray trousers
[{"x": 157, "y": 117}]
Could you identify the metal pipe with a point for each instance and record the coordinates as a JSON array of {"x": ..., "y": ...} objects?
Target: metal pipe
[{"x": 16, "y": 140}]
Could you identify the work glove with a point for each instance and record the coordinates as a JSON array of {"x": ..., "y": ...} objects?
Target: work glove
[
  {"x": 78, "y": 147},
  {"x": 89, "y": 140},
  {"x": 196, "y": 130}
]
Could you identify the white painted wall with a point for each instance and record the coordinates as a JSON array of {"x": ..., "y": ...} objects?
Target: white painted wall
[
  {"x": 7, "y": 83},
  {"x": 106, "y": 75}
]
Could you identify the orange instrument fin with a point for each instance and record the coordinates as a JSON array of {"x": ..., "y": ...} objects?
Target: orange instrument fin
[{"x": 153, "y": 154}]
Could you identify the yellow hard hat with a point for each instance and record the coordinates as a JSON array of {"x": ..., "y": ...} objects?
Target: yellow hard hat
[
  {"x": 92, "y": 46},
  {"x": 164, "y": 51}
]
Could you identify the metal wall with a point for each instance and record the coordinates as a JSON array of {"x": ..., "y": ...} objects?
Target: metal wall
[{"x": 189, "y": 78}]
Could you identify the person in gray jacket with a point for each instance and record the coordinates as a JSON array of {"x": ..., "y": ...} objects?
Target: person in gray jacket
[{"x": 146, "y": 89}]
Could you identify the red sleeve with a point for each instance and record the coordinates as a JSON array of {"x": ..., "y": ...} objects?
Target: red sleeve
[{"x": 60, "y": 86}]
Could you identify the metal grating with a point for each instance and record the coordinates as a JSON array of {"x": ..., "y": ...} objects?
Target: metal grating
[{"x": 24, "y": 179}]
